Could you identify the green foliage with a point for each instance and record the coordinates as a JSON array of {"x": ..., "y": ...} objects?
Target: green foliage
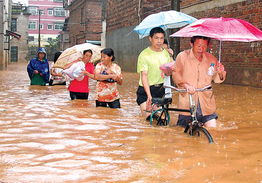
[
  {"x": 52, "y": 48},
  {"x": 53, "y": 43}
]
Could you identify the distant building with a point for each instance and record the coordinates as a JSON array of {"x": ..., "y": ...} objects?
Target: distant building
[
  {"x": 64, "y": 36},
  {"x": 85, "y": 21},
  {"x": 52, "y": 17},
  {"x": 19, "y": 23},
  {"x": 5, "y": 15},
  {"x": 66, "y": 3}
]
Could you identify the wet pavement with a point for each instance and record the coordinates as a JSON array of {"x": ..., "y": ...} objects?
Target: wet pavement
[{"x": 45, "y": 137}]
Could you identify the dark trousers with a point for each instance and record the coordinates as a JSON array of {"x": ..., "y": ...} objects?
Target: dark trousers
[
  {"x": 77, "y": 95},
  {"x": 114, "y": 104},
  {"x": 183, "y": 120},
  {"x": 157, "y": 91}
]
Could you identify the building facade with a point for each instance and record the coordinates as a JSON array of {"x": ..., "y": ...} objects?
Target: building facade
[
  {"x": 85, "y": 21},
  {"x": 19, "y": 23},
  {"x": 64, "y": 36},
  {"x": 51, "y": 15},
  {"x": 243, "y": 61},
  {"x": 5, "y": 16}
]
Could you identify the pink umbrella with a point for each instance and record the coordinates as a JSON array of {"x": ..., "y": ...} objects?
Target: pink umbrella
[{"x": 223, "y": 29}]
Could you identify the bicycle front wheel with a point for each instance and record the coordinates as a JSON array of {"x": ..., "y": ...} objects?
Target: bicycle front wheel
[
  {"x": 203, "y": 134},
  {"x": 160, "y": 117}
]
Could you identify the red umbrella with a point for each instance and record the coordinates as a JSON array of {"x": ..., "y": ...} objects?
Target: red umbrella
[{"x": 223, "y": 29}]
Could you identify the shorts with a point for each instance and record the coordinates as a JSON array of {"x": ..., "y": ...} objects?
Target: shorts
[
  {"x": 115, "y": 104},
  {"x": 183, "y": 120},
  {"x": 78, "y": 95},
  {"x": 157, "y": 91}
]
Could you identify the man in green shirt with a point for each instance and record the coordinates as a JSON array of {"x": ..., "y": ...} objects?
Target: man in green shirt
[{"x": 149, "y": 62}]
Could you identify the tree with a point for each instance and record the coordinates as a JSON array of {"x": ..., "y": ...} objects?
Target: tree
[
  {"x": 53, "y": 43},
  {"x": 52, "y": 48}
]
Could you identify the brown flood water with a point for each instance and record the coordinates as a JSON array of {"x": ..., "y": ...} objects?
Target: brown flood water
[{"x": 47, "y": 138}]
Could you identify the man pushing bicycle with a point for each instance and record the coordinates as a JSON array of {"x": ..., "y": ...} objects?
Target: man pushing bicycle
[{"x": 196, "y": 68}]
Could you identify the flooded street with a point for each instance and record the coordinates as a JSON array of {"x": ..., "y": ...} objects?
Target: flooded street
[{"x": 47, "y": 138}]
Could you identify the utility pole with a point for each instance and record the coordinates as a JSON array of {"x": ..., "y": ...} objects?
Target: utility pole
[
  {"x": 103, "y": 35},
  {"x": 39, "y": 41},
  {"x": 175, "y": 42}
]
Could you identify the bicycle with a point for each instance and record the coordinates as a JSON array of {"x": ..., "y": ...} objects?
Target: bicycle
[{"x": 161, "y": 116}]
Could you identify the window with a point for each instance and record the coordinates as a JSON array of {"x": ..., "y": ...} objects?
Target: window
[
  {"x": 16, "y": 10},
  {"x": 59, "y": 12},
  {"x": 58, "y": 1},
  {"x": 50, "y": 12},
  {"x": 41, "y": 12},
  {"x": 32, "y": 25},
  {"x": 49, "y": 27},
  {"x": 33, "y": 10},
  {"x": 14, "y": 53},
  {"x": 14, "y": 25},
  {"x": 59, "y": 26},
  {"x": 31, "y": 38},
  {"x": 41, "y": 26}
]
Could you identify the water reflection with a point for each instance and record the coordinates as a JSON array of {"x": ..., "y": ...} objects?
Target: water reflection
[{"x": 45, "y": 137}]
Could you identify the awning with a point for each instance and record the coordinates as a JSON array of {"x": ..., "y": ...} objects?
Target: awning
[
  {"x": 94, "y": 42},
  {"x": 10, "y": 33}
]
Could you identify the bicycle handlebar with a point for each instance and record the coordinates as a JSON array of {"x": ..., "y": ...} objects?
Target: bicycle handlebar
[{"x": 208, "y": 87}]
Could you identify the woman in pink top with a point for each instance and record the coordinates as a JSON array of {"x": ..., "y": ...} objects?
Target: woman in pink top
[
  {"x": 79, "y": 89},
  {"x": 109, "y": 76},
  {"x": 191, "y": 72}
]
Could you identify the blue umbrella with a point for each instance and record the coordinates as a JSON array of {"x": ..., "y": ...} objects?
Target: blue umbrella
[{"x": 165, "y": 19}]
